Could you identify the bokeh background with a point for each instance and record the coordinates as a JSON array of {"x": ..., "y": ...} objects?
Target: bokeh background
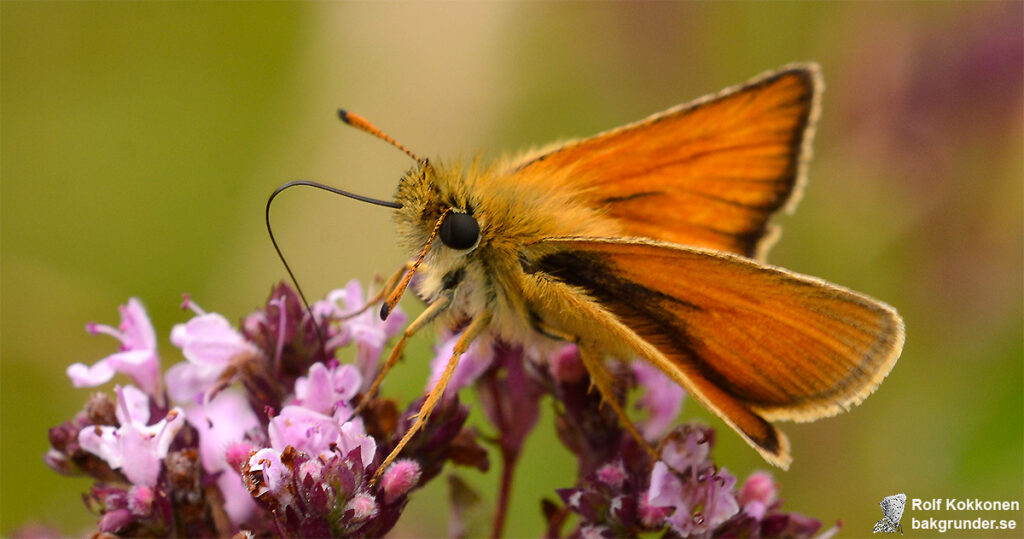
[{"x": 140, "y": 141}]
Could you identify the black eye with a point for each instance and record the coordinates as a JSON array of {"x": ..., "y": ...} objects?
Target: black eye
[{"x": 460, "y": 231}]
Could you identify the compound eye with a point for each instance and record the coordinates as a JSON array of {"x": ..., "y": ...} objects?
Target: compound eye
[{"x": 460, "y": 231}]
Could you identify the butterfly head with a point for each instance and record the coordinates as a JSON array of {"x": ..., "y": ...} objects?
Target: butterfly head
[
  {"x": 429, "y": 206},
  {"x": 433, "y": 202},
  {"x": 436, "y": 201}
]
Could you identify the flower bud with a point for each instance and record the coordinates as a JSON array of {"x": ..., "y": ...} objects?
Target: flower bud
[
  {"x": 400, "y": 478},
  {"x": 363, "y": 507}
]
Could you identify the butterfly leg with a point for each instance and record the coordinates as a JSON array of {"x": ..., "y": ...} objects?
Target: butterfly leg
[
  {"x": 389, "y": 286},
  {"x": 477, "y": 326},
  {"x": 600, "y": 377},
  {"x": 427, "y": 316}
]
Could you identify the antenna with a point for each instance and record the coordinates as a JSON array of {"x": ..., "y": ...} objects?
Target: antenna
[
  {"x": 270, "y": 231},
  {"x": 363, "y": 124}
]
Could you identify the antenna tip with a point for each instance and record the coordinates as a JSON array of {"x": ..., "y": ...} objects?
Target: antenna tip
[
  {"x": 385, "y": 310},
  {"x": 343, "y": 114}
]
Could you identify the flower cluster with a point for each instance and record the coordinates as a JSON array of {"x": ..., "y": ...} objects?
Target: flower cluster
[
  {"x": 262, "y": 430},
  {"x": 684, "y": 492},
  {"x": 620, "y": 492},
  {"x": 256, "y": 430}
]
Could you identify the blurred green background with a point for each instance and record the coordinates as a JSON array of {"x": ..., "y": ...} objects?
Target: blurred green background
[{"x": 140, "y": 141}]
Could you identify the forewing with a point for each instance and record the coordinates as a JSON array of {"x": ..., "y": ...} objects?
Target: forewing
[
  {"x": 893, "y": 505},
  {"x": 708, "y": 174},
  {"x": 783, "y": 345}
]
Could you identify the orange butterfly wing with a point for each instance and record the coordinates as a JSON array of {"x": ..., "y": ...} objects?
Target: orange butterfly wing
[
  {"x": 709, "y": 173},
  {"x": 752, "y": 342}
]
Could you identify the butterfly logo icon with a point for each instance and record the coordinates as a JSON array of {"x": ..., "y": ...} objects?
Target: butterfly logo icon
[{"x": 892, "y": 508}]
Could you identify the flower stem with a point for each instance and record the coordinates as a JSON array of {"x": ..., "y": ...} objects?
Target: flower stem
[{"x": 508, "y": 466}]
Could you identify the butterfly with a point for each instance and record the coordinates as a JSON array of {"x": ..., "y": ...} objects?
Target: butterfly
[
  {"x": 892, "y": 508},
  {"x": 648, "y": 241}
]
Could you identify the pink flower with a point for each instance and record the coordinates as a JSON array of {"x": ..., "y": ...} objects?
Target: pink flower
[
  {"x": 275, "y": 473},
  {"x": 238, "y": 503},
  {"x": 137, "y": 357},
  {"x": 566, "y": 366},
  {"x": 662, "y": 399},
  {"x": 329, "y": 390},
  {"x": 221, "y": 423},
  {"x": 595, "y": 532},
  {"x": 366, "y": 329},
  {"x": 113, "y": 521},
  {"x": 304, "y": 429},
  {"x": 701, "y": 503},
  {"x": 353, "y": 436},
  {"x": 210, "y": 344},
  {"x": 689, "y": 449},
  {"x": 313, "y": 433},
  {"x": 136, "y": 448},
  {"x": 702, "y": 497},
  {"x": 363, "y": 507},
  {"x": 399, "y": 478},
  {"x": 315, "y": 478},
  {"x": 472, "y": 364},
  {"x": 649, "y": 515},
  {"x": 758, "y": 494},
  {"x": 612, "y": 475}
]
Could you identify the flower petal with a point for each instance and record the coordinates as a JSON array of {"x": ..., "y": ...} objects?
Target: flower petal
[
  {"x": 662, "y": 399},
  {"x": 666, "y": 490},
  {"x": 188, "y": 382},
  {"x": 221, "y": 423},
  {"x": 275, "y": 473},
  {"x": 315, "y": 390},
  {"x": 102, "y": 442},
  {"x": 304, "y": 429},
  {"x": 472, "y": 364},
  {"x": 140, "y": 465},
  {"x": 142, "y": 365},
  {"x": 346, "y": 382},
  {"x": 135, "y": 408},
  {"x": 136, "y": 326},
  {"x": 209, "y": 339},
  {"x": 238, "y": 503},
  {"x": 353, "y": 435},
  {"x": 82, "y": 376}
]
